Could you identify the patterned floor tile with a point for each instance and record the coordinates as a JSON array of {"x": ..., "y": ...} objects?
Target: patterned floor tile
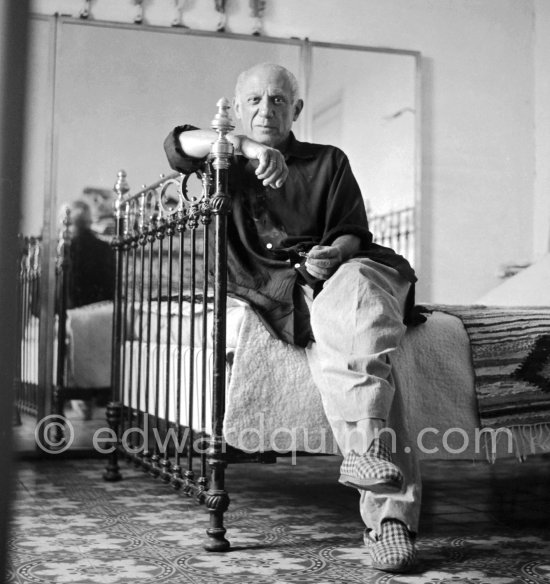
[{"x": 287, "y": 524}]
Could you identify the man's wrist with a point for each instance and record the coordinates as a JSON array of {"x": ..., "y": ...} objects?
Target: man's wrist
[
  {"x": 237, "y": 141},
  {"x": 347, "y": 245},
  {"x": 247, "y": 147}
]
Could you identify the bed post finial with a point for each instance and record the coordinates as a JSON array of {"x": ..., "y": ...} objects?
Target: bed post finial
[
  {"x": 221, "y": 153},
  {"x": 121, "y": 186},
  {"x": 222, "y": 121}
]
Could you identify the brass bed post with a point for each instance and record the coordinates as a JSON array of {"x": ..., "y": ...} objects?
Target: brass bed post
[
  {"x": 35, "y": 276},
  {"x": 217, "y": 499},
  {"x": 142, "y": 243},
  {"x": 24, "y": 305},
  {"x": 114, "y": 407},
  {"x": 62, "y": 282},
  {"x": 177, "y": 475},
  {"x": 21, "y": 320},
  {"x": 132, "y": 414},
  {"x": 206, "y": 220},
  {"x": 165, "y": 463},
  {"x": 126, "y": 362},
  {"x": 159, "y": 226},
  {"x": 148, "y": 426}
]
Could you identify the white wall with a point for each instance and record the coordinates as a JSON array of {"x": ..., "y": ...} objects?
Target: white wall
[
  {"x": 478, "y": 113},
  {"x": 367, "y": 89},
  {"x": 541, "y": 226}
]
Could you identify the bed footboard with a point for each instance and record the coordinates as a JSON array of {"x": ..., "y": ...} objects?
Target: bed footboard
[
  {"x": 169, "y": 331},
  {"x": 28, "y": 295}
]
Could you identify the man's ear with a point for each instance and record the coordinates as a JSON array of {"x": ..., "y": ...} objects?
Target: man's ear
[
  {"x": 298, "y": 106},
  {"x": 237, "y": 108}
]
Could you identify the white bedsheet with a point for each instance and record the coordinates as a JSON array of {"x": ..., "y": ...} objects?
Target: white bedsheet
[
  {"x": 89, "y": 333},
  {"x": 146, "y": 381},
  {"x": 273, "y": 403},
  {"x": 234, "y": 315}
]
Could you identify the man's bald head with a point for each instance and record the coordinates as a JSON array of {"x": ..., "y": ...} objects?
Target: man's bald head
[
  {"x": 279, "y": 69},
  {"x": 267, "y": 103}
]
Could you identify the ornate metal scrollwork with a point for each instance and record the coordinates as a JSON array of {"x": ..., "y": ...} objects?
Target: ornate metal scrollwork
[{"x": 166, "y": 196}]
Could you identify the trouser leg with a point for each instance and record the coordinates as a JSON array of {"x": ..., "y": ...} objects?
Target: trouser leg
[{"x": 357, "y": 321}]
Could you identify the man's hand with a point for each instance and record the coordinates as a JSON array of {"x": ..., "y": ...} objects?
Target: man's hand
[
  {"x": 323, "y": 260},
  {"x": 272, "y": 169}
]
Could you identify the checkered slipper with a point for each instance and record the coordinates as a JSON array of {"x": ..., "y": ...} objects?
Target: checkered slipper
[
  {"x": 394, "y": 549},
  {"x": 372, "y": 471}
]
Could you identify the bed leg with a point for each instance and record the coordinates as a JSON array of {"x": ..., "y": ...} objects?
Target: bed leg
[
  {"x": 114, "y": 416},
  {"x": 217, "y": 500},
  {"x": 59, "y": 437}
]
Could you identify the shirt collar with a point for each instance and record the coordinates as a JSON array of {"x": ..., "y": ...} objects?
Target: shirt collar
[{"x": 297, "y": 149}]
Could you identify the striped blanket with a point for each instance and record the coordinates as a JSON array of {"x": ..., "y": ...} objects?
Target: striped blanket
[{"x": 510, "y": 350}]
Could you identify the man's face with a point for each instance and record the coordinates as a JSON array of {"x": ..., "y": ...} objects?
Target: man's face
[{"x": 265, "y": 107}]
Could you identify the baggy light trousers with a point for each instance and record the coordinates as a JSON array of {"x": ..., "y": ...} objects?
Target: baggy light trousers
[{"x": 357, "y": 322}]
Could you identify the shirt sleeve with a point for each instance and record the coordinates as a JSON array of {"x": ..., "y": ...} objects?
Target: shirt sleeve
[
  {"x": 177, "y": 158},
  {"x": 345, "y": 211}
]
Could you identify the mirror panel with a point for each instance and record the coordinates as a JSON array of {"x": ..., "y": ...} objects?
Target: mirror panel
[
  {"x": 105, "y": 95},
  {"x": 37, "y": 144},
  {"x": 365, "y": 103}
]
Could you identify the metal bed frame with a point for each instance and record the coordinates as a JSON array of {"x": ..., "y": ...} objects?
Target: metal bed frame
[{"x": 158, "y": 232}]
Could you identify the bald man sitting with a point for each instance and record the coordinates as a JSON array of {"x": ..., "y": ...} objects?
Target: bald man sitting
[{"x": 345, "y": 302}]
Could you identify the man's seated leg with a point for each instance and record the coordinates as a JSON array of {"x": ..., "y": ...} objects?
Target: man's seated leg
[
  {"x": 391, "y": 518},
  {"x": 357, "y": 321}
]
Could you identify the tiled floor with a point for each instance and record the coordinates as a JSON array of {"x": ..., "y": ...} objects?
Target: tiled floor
[
  {"x": 481, "y": 524},
  {"x": 25, "y": 433}
]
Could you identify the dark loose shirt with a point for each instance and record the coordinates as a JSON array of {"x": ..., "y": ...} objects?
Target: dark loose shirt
[
  {"x": 92, "y": 270},
  {"x": 268, "y": 228}
]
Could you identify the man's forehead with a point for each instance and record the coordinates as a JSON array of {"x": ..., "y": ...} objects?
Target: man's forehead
[{"x": 271, "y": 80}]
